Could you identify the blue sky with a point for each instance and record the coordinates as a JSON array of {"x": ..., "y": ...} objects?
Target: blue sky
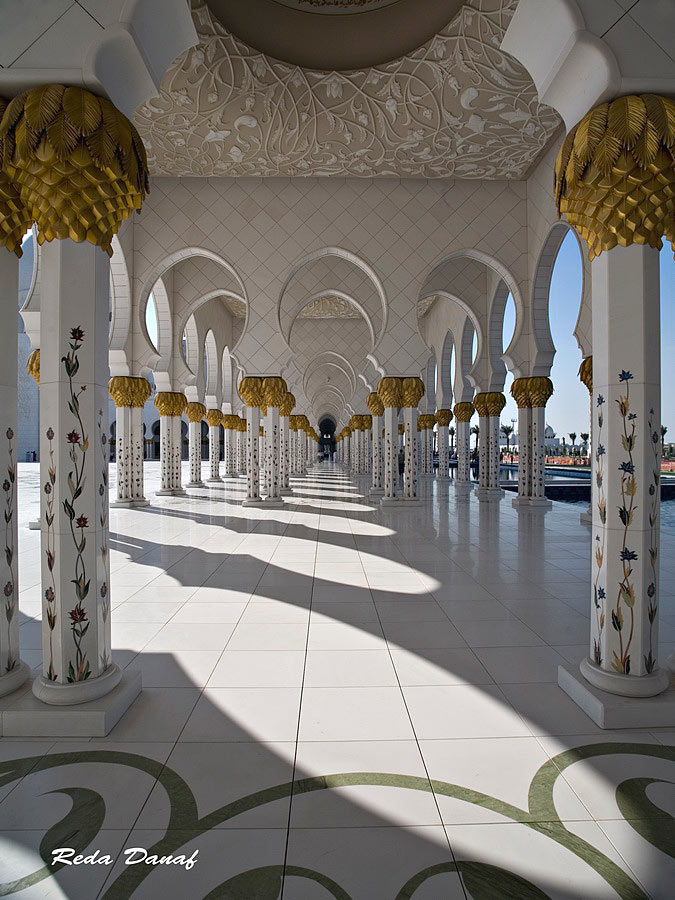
[{"x": 567, "y": 410}]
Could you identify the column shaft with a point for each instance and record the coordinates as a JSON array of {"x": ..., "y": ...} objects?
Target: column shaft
[
  {"x": 214, "y": 453},
  {"x": 272, "y": 460},
  {"x": 524, "y": 457},
  {"x": 463, "y": 438},
  {"x": 390, "y": 452},
  {"x": 443, "y": 452},
  {"x": 410, "y": 472},
  {"x": 252, "y": 459},
  {"x": 13, "y": 672},
  {"x": 537, "y": 455},
  {"x": 627, "y": 465},
  {"x": 129, "y": 456},
  {"x": 195, "y": 444},
  {"x": 77, "y": 663},
  {"x": 376, "y": 465}
]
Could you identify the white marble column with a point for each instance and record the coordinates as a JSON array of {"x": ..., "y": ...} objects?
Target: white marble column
[
  {"x": 421, "y": 439},
  {"x": 391, "y": 490},
  {"x": 376, "y": 408},
  {"x": 524, "y": 445},
  {"x": 586, "y": 376},
  {"x": 129, "y": 395},
  {"x": 489, "y": 405},
  {"x": 214, "y": 417},
  {"x": 538, "y": 457},
  {"x": 195, "y": 413},
  {"x": 623, "y": 655},
  {"x": 346, "y": 459},
  {"x": 13, "y": 671},
  {"x": 412, "y": 391},
  {"x": 284, "y": 459},
  {"x": 230, "y": 445},
  {"x": 252, "y": 459},
  {"x": 443, "y": 419},
  {"x": 426, "y": 438},
  {"x": 285, "y": 443},
  {"x": 74, "y": 461},
  {"x": 241, "y": 446},
  {"x": 171, "y": 406},
  {"x": 33, "y": 369},
  {"x": 463, "y": 412},
  {"x": 410, "y": 450},
  {"x": 531, "y": 395},
  {"x": 292, "y": 446},
  {"x": 273, "y": 398}
]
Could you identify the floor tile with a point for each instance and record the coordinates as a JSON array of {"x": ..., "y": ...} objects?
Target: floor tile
[
  {"x": 373, "y": 862},
  {"x": 462, "y": 711},
  {"x": 354, "y": 714},
  {"x": 439, "y": 666},
  {"x": 402, "y": 797},
  {"x": 244, "y": 714},
  {"x": 349, "y": 668},
  {"x": 509, "y": 665},
  {"x": 259, "y": 668}
]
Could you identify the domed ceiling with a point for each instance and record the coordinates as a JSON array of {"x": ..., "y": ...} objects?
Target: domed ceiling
[
  {"x": 455, "y": 106},
  {"x": 335, "y": 34}
]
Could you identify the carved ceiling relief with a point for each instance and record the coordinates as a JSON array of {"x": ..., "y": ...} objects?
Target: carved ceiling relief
[
  {"x": 329, "y": 307},
  {"x": 456, "y": 107}
]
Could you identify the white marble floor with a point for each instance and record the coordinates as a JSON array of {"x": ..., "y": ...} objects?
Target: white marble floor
[{"x": 343, "y": 702}]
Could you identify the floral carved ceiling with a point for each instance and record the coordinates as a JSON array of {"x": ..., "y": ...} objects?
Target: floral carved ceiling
[
  {"x": 458, "y": 107},
  {"x": 329, "y": 307}
]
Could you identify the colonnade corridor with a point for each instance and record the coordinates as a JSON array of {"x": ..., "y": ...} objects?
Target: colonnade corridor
[{"x": 341, "y": 700}]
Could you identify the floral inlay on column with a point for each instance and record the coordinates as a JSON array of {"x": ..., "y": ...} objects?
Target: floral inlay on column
[
  {"x": 79, "y": 447},
  {"x": 104, "y": 606},
  {"x": 654, "y": 516},
  {"x": 9, "y": 590},
  {"x": 599, "y": 592},
  {"x": 626, "y": 589},
  {"x": 50, "y": 591}
]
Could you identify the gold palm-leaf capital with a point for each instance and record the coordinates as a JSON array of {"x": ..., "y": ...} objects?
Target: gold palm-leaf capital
[
  {"x": 615, "y": 174},
  {"x": 78, "y": 163}
]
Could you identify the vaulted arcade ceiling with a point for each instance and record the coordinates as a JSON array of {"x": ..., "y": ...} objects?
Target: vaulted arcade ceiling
[{"x": 457, "y": 106}]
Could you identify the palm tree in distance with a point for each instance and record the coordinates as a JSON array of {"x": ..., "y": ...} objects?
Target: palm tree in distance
[
  {"x": 664, "y": 431},
  {"x": 452, "y": 432},
  {"x": 507, "y": 431},
  {"x": 475, "y": 430},
  {"x": 573, "y": 437},
  {"x": 584, "y": 437}
]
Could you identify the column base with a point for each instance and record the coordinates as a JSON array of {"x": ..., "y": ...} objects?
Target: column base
[
  {"x": 195, "y": 484},
  {"x": 463, "y": 487},
  {"x": 35, "y": 525},
  {"x": 217, "y": 480},
  {"x": 489, "y": 493},
  {"x": 530, "y": 502},
  {"x": 171, "y": 492},
  {"x": 654, "y": 709},
  {"x": 376, "y": 492},
  {"x": 443, "y": 477},
  {"x": 29, "y": 717},
  {"x": 56, "y": 694},
  {"x": 586, "y": 518},
  {"x": 129, "y": 504},
  {"x": 400, "y": 501},
  {"x": 14, "y": 679},
  {"x": 286, "y": 491}
]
